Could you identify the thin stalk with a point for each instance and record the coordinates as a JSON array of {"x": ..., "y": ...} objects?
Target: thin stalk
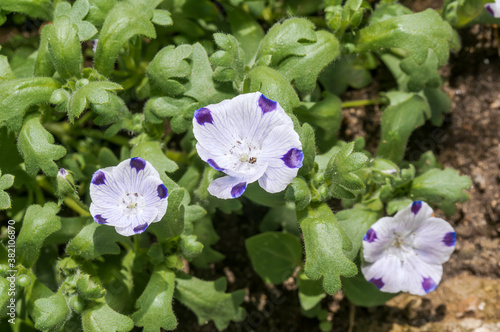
[{"x": 364, "y": 102}]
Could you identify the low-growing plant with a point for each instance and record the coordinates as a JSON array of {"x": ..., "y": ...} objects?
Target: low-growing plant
[{"x": 128, "y": 126}]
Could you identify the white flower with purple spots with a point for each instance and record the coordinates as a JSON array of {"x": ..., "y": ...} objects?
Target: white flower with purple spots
[
  {"x": 493, "y": 8},
  {"x": 406, "y": 252},
  {"x": 129, "y": 196},
  {"x": 250, "y": 138}
]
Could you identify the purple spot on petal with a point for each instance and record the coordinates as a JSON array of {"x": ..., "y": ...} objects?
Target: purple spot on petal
[
  {"x": 293, "y": 158},
  {"x": 100, "y": 219},
  {"x": 489, "y": 8},
  {"x": 98, "y": 178},
  {"x": 428, "y": 285},
  {"x": 203, "y": 115},
  {"x": 137, "y": 163},
  {"x": 162, "y": 191},
  {"x": 214, "y": 165},
  {"x": 267, "y": 105},
  {"x": 449, "y": 239},
  {"x": 370, "y": 236},
  {"x": 238, "y": 189},
  {"x": 415, "y": 207},
  {"x": 377, "y": 282},
  {"x": 140, "y": 228}
]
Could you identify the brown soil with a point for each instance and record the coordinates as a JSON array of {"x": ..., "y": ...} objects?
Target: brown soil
[{"x": 468, "y": 296}]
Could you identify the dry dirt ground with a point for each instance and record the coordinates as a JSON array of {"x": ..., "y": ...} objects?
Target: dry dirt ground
[{"x": 468, "y": 298}]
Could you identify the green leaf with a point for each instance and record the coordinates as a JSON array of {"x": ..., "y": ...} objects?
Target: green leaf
[
  {"x": 100, "y": 317},
  {"x": 152, "y": 152},
  {"x": 356, "y": 222},
  {"x": 16, "y": 96},
  {"x": 274, "y": 86},
  {"x": 440, "y": 104},
  {"x": 5, "y": 71},
  {"x": 4, "y": 290},
  {"x": 205, "y": 233},
  {"x": 308, "y": 140},
  {"x": 39, "y": 222},
  {"x": 363, "y": 293},
  {"x": 310, "y": 291},
  {"x": 303, "y": 71},
  {"x": 424, "y": 75},
  {"x": 155, "y": 303},
  {"x": 258, "y": 195},
  {"x": 282, "y": 217},
  {"x": 124, "y": 21},
  {"x": 98, "y": 10},
  {"x": 229, "y": 61},
  {"x": 89, "y": 92},
  {"x": 349, "y": 70},
  {"x": 34, "y": 8},
  {"x": 462, "y": 12},
  {"x": 298, "y": 191},
  {"x": 208, "y": 300},
  {"x": 6, "y": 181},
  {"x": 325, "y": 242},
  {"x": 95, "y": 240},
  {"x": 274, "y": 255},
  {"x": 340, "y": 172},
  {"x": 172, "y": 223},
  {"x": 443, "y": 188},
  {"x": 284, "y": 40},
  {"x": 170, "y": 64},
  {"x": 414, "y": 33},
  {"x": 324, "y": 115},
  {"x": 51, "y": 312},
  {"x": 161, "y": 17},
  {"x": 37, "y": 147},
  {"x": 201, "y": 86},
  {"x": 406, "y": 112},
  {"x": 77, "y": 13},
  {"x": 65, "y": 48},
  {"x": 246, "y": 30},
  {"x": 179, "y": 111},
  {"x": 43, "y": 63}
]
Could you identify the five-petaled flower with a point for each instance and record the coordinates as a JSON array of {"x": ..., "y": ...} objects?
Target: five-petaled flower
[
  {"x": 250, "y": 138},
  {"x": 493, "y": 8},
  {"x": 129, "y": 196},
  {"x": 406, "y": 252}
]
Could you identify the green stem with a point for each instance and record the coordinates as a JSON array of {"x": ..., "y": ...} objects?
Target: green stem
[
  {"x": 364, "y": 102},
  {"x": 77, "y": 206}
]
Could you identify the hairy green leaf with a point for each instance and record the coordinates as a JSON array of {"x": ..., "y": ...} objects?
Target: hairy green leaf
[
  {"x": 39, "y": 222},
  {"x": 274, "y": 255},
  {"x": 76, "y": 13},
  {"x": 274, "y": 86},
  {"x": 65, "y": 48},
  {"x": 168, "y": 64},
  {"x": 34, "y": 8},
  {"x": 246, "y": 30},
  {"x": 229, "y": 61},
  {"x": 95, "y": 240},
  {"x": 414, "y": 33},
  {"x": 5, "y": 71},
  {"x": 205, "y": 233},
  {"x": 325, "y": 242},
  {"x": 100, "y": 317},
  {"x": 6, "y": 181},
  {"x": 349, "y": 70},
  {"x": 310, "y": 291},
  {"x": 37, "y": 147},
  {"x": 298, "y": 191},
  {"x": 98, "y": 10},
  {"x": 208, "y": 300},
  {"x": 16, "y": 96},
  {"x": 51, "y": 312},
  {"x": 443, "y": 188},
  {"x": 287, "y": 39},
  {"x": 178, "y": 110},
  {"x": 155, "y": 303},
  {"x": 340, "y": 172},
  {"x": 303, "y": 71},
  {"x": 356, "y": 222},
  {"x": 124, "y": 21},
  {"x": 406, "y": 112}
]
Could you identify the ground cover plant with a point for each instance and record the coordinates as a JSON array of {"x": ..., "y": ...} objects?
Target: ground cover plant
[{"x": 127, "y": 128}]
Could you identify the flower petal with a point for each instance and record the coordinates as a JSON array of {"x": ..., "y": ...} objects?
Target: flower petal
[
  {"x": 155, "y": 195},
  {"x": 411, "y": 217},
  {"x": 391, "y": 274},
  {"x": 227, "y": 187},
  {"x": 379, "y": 237},
  {"x": 282, "y": 147},
  {"x": 434, "y": 241},
  {"x": 132, "y": 172},
  {"x": 276, "y": 179}
]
